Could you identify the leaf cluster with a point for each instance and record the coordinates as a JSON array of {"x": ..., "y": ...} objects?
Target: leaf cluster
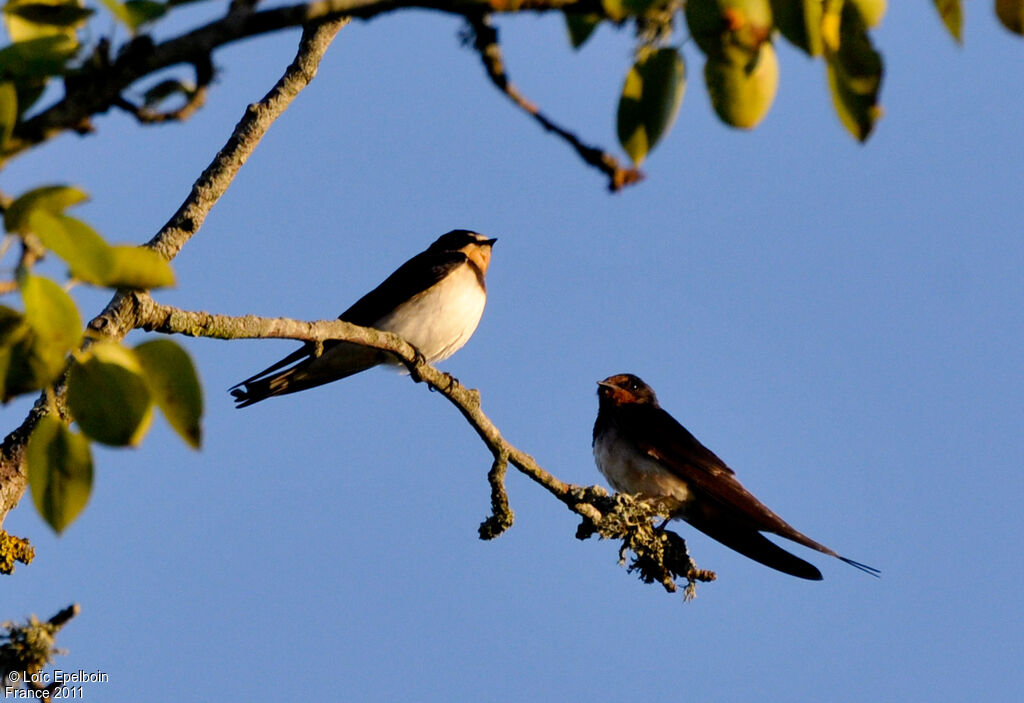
[{"x": 111, "y": 388}]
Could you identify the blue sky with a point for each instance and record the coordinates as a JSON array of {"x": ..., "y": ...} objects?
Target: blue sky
[{"x": 842, "y": 324}]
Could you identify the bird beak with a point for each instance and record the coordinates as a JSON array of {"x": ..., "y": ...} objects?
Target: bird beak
[
  {"x": 604, "y": 385},
  {"x": 489, "y": 242}
]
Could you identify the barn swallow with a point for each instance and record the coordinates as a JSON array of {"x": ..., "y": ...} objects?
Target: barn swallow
[
  {"x": 434, "y": 301},
  {"x": 641, "y": 449}
]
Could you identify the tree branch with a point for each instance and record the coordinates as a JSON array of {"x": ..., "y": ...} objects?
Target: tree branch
[
  {"x": 659, "y": 555},
  {"x": 485, "y": 41},
  {"x": 98, "y": 85},
  {"x": 120, "y": 315}
]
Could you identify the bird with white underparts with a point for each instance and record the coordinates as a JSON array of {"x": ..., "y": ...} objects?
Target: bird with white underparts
[
  {"x": 641, "y": 449},
  {"x": 434, "y": 301}
]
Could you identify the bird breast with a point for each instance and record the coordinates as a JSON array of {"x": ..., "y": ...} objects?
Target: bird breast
[
  {"x": 442, "y": 318},
  {"x": 629, "y": 470}
]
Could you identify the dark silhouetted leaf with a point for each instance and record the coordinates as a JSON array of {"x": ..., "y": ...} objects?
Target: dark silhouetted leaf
[
  {"x": 580, "y": 27},
  {"x": 854, "y": 70},
  {"x": 37, "y": 58},
  {"x": 59, "y": 472},
  {"x": 35, "y": 19},
  {"x": 143, "y": 11},
  {"x": 57, "y": 13},
  {"x": 175, "y": 386},
  {"x": 21, "y": 369},
  {"x": 1011, "y": 14},
  {"x": 108, "y": 396},
  {"x": 54, "y": 199},
  {"x": 650, "y": 100},
  {"x": 799, "y": 21}
]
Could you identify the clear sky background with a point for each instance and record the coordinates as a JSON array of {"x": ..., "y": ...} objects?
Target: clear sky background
[{"x": 843, "y": 324}]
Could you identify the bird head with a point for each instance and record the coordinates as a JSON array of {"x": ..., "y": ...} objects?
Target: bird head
[
  {"x": 476, "y": 246},
  {"x": 626, "y": 389}
]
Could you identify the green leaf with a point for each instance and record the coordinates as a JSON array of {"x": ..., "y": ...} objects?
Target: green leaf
[
  {"x": 8, "y": 110},
  {"x": 143, "y": 11},
  {"x": 59, "y": 472},
  {"x": 581, "y": 27},
  {"x": 175, "y": 386},
  {"x": 91, "y": 259},
  {"x": 32, "y": 19},
  {"x": 135, "y": 13},
  {"x": 742, "y": 92},
  {"x": 650, "y": 100},
  {"x": 22, "y": 367},
  {"x": 87, "y": 255},
  {"x": 108, "y": 396},
  {"x": 37, "y": 58},
  {"x": 56, "y": 13},
  {"x": 55, "y": 199},
  {"x": 140, "y": 268},
  {"x": 21, "y": 370},
  {"x": 854, "y": 71},
  {"x": 952, "y": 14},
  {"x": 799, "y": 21},
  {"x": 53, "y": 317}
]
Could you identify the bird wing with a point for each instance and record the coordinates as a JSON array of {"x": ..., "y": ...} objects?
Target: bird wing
[
  {"x": 411, "y": 278},
  {"x": 664, "y": 439}
]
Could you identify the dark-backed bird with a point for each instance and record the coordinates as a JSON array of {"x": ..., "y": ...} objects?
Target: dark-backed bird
[
  {"x": 641, "y": 449},
  {"x": 434, "y": 301}
]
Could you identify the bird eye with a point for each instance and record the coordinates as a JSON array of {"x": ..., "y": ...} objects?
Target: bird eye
[{"x": 634, "y": 386}]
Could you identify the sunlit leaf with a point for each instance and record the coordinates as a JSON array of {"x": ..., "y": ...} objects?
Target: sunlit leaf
[
  {"x": 53, "y": 199},
  {"x": 1011, "y": 14},
  {"x": 37, "y": 58},
  {"x": 108, "y": 396},
  {"x": 53, "y": 317},
  {"x": 134, "y": 13},
  {"x": 175, "y": 386},
  {"x": 88, "y": 257},
  {"x": 650, "y": 100},
  {"x": 138, "y": 267},
  {"x": 8, "y": 110},
  {"x": 580, "y": 27},
  {"x": 32, "y": 19},
  {"x": 742, "y": 92},
  {"x": 854, "y": 73},
  {"x": 871, "y": 11},
  {"x": 59, "y": 466}
]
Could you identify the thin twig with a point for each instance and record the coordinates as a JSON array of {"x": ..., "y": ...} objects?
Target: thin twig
[
  {"x": 97, "y": 86},
  {"x": 118, "y": 318},
  {"x": 485, "y": 41},
  {"x": 196, "y": 98},
  {"x": 660, "y": 556}
]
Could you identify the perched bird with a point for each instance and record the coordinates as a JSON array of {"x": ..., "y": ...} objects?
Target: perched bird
[
  {"x": 641, "y": 449},
  {"x": 434, "y": 301}
]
